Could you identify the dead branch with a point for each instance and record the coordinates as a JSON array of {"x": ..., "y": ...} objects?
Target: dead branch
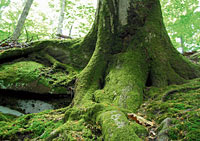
[{"x": 63, "y": 36}]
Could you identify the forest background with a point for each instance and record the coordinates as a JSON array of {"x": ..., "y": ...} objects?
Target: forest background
[{"x": 181, "y": 19}]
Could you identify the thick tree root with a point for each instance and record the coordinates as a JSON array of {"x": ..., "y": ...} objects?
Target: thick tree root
[
  {"x": 116, "y": 127},
  {"x": 111, "y": 121},
  {"x": 171, "y": 92}
]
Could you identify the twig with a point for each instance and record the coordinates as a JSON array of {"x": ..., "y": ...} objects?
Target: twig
[{"x": 4, "y": 40}]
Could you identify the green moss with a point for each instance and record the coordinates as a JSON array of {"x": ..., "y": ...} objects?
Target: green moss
[
  {"x": 76, "y": 130},
  {"x": 179, "y": 102},
  {"x": 140, "y": 130},
  {"x": 68, "y": 52},
  {"x": 125, "y": 81},
  {"x": 2, "y": 117},
  {"x": 6, "y": 117},
  {"x": 105, "y": 120},
  {"x": 113, "y": 79},
  {"x": 115, "y": 126},
  {"x": 49, "y": 125},
  {"x": 34, "y": 125},
  {"x": 35, "y": 77},
  {"x": 21, "y": 72}
]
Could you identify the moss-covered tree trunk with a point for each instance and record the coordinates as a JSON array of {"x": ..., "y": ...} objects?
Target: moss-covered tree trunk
[{"x": 132, "y": 51}]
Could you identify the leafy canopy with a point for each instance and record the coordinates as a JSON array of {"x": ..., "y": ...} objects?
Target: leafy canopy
[
  {"x": 42, "y": 20},
  {"x": 182, "y": 18}
]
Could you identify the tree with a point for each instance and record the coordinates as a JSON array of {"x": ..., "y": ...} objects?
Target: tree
[
  {"x": 127, "y": 49},
  {"x": 61, "y": 18},
  {"x": 132, "y": 50},
  {"x": 22, "y": 19},
  {"x": 44, "y": 23}
]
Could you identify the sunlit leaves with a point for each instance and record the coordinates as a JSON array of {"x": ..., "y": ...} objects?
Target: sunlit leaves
[
  {"x": 4, "y": 3},
  {"x": 42, "y": 20},
  {"x": 182, "y": 20}
]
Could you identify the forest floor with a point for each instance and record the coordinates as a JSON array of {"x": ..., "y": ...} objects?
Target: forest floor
[
  {"x": 173, "y": 112},
  {"x": 179, "y": 104}
]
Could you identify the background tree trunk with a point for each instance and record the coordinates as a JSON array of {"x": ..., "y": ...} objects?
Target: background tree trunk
[
  {"x": 61, "y": 17},
  {"x": 182, "y": 44},
  {"x": 22, "y": 19}
]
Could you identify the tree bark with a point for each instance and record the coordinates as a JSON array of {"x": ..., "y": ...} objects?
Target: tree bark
[
  {"x": 21, "y": 21},
  {"x": 182, "y": 44},
  {"x": 61, "y": 17}
]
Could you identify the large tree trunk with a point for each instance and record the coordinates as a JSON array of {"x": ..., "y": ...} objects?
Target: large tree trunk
[
  {"x": 132, "y": 51},
  {"x": 21, "y": 21}
]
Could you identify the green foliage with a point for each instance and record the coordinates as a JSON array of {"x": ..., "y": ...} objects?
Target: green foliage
[
  {"x": 182, "y": 20},
  {"x": 40, "y": 25},
  {"x": 6, "y": 117},
  {"x": 80, "y": 17},
  {"x": 4, "y": 3}
]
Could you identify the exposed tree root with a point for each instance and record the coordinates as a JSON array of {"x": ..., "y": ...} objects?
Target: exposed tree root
[{"x": 171, "y": 92}]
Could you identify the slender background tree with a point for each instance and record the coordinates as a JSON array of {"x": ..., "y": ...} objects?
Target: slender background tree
[
  {"x": 21, "y": 21},
  {"x": 61, "y": 17}
]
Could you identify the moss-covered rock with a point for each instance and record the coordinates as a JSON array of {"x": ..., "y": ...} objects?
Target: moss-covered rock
[{"x": 34, "y": 77}]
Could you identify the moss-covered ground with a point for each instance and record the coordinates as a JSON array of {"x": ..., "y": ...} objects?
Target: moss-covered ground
[
  {"x": 178, "y": 102},
  {"x": 6, "y": 117},
  {"x": 39, "y": 126},
  {"x": 181, "y": 103},
  {"x": 31, "y": 126}
]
